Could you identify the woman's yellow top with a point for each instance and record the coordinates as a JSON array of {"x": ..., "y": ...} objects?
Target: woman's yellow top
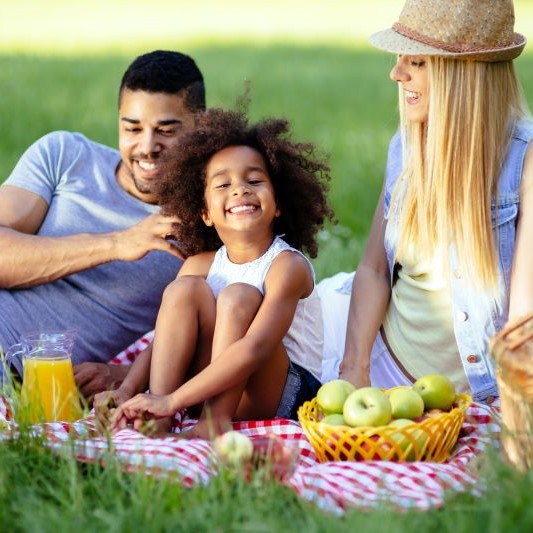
[{"x": 418, "y": 326}]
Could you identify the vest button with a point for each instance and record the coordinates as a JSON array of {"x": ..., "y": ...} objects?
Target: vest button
[
  {"x": 462, "y": 316},
  {"x": 490, "y": 399},
  {"x": 472, "y": 358}
]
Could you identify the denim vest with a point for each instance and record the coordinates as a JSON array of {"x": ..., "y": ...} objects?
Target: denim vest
[{"x": 477, "y": 316}]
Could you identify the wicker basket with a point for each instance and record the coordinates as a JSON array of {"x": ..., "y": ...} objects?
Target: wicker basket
[
  {"x": 512, "y": 350},
  {"x": 432, "y": 439}
]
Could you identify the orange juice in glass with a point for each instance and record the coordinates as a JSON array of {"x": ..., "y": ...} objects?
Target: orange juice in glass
[{"x": 48, "y": 392}]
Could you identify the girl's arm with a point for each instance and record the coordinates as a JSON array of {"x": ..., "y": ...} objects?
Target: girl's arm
[
  {"x": 289, "y": 279},
  {"x": 138, "y": 374},
  {"x": 521, "y": 297},
  {"x": 368, "y": 303}
]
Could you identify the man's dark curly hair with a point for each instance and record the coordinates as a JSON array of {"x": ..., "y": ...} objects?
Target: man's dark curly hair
[
  {"x": 299, "y": 177},
  {"x": 165, "y": 71}
]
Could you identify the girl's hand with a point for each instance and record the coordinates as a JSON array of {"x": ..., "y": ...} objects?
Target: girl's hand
[
  {"x": 105, "y": 404},
  {"x": 142, "y": 408}
]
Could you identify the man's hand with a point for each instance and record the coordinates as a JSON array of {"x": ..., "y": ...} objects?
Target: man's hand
[
  {"x": 151, "y": 233},
  {"x": 92, "y": 378}
]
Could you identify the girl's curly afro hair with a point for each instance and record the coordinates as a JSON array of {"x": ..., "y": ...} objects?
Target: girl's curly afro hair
[{"x": 299, "y": 177}]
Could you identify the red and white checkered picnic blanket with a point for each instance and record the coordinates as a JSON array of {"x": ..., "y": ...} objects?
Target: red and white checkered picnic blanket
[{"x": 333, "y": 486}]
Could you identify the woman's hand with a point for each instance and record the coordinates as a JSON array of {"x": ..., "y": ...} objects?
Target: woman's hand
[
  {"x": 142, "y": 408},
  {"x": 359, "y": 376}
]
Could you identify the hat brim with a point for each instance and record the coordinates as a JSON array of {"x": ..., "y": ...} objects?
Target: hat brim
[{"x": 392, "y": 41}]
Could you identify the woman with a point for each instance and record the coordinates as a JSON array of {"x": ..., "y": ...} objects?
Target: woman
[{"x": 448, "y": 258}]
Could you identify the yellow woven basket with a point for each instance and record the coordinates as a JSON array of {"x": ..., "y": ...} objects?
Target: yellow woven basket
[{"x": 432, "y": 439}]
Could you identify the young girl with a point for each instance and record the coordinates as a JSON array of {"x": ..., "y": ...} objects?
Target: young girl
[
  {"x": 449, "y": 255},
  {"x": 239, "y": 331}
]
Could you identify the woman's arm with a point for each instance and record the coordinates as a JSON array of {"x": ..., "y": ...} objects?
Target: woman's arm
[
  {"x": 368, "y": 303},
  {"x": 521, "y": 297}
]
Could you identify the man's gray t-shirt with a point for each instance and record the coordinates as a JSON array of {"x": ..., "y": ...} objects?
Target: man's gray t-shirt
[{"x": 111, "y": 305}]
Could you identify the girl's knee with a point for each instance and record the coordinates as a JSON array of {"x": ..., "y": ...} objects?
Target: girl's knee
[
  {"x": 239, "y": 298},
  {"x": 186, "y": 288}
]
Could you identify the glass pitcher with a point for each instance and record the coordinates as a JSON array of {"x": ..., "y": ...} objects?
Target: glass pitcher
[{"x": 48, "y": 392}]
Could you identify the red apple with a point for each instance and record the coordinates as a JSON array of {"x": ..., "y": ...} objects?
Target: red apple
[{"x": 275, "y": 456}]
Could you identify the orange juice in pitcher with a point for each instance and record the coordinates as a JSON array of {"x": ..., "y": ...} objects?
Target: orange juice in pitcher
[{"x": 48, "y": 391}]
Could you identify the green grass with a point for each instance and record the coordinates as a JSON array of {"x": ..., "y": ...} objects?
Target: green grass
[{"x": 42, "y": 492}]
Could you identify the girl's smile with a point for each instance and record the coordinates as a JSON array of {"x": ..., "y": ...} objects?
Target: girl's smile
[
  {"x": 242, "y": 209},
  {"x": 238, "y": 193}
]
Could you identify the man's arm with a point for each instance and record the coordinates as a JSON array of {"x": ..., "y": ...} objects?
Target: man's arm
[{"x": 30, "y": 260}]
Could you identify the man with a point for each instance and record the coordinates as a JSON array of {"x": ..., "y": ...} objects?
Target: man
[{"x": 84, "y": 246}]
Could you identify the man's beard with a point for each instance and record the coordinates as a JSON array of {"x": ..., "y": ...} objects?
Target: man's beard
[{"x": 141, "y": 186}]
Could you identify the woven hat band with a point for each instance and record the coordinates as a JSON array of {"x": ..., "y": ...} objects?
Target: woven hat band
[{"x": 453, "y": 48}]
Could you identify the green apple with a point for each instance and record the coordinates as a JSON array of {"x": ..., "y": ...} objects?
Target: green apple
[
  {"x": 331, "y": 396},
  {"x": 410, "y": 446},
  {"x": 406, "y": 403},
  {"x": 334, "y": 419},
  {"x": 368, "y": 406},
  {"x": 233, "y": 448},
  {"x": 436, "y": 390}
]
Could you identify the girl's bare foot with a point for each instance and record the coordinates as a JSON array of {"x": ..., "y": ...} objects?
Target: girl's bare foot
[
  {"x": 206, "y": 429},
  {"x": 161, "y": 427}
]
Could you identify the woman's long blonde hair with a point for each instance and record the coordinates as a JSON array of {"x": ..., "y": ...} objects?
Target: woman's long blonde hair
[{"x": 453, "y": 162}]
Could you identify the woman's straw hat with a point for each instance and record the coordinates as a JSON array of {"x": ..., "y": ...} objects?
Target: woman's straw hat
[{"x": 478, "y": 30}]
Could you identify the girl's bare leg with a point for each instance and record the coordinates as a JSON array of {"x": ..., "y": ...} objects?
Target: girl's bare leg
[
  {"x": 183, "y": 337},
  {"x": 257, "y": 397}
]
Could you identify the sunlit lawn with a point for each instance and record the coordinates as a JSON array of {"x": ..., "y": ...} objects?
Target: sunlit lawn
[{"x": 306, "y": 60}]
